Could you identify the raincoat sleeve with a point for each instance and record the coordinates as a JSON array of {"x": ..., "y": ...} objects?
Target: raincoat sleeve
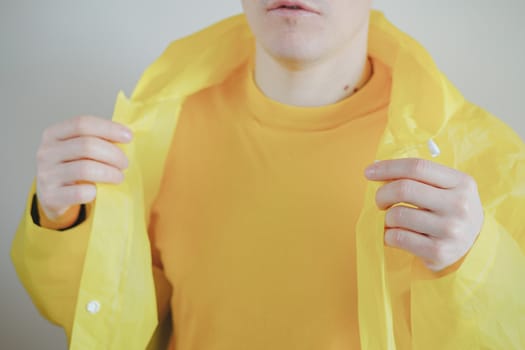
[
  {"x": 481, "y": 305},
  {"x": 49, "y": 264}
]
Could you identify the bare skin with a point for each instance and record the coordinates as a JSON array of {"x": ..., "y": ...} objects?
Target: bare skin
[
  {"x": 73, "y": 156},
  {"x": 448, "y": 214},
  {"x": 313, "y": 59}
]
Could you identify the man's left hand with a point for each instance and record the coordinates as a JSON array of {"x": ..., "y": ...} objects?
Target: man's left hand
[{"x": 447, "y": 217}]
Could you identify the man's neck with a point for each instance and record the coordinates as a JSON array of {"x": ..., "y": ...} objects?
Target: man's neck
[{"x": 318, "y": 83}]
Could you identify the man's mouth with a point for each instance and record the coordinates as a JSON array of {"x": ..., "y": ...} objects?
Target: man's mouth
[{"x": 291, "y": 5}]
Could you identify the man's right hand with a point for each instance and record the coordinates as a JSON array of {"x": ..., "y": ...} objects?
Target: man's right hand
[{"x": 73, "y": 156}]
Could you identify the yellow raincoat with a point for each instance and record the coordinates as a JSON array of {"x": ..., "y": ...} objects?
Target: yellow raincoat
[{"x": 96, "y": 280}]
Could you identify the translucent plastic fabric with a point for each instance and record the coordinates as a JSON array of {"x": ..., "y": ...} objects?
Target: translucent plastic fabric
[{"x": 107, "y": 258}]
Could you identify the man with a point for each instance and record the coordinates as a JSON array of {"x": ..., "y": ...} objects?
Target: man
[{"x": 241, "y": 161}]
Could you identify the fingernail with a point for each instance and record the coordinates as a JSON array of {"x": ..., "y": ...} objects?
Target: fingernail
[
  {"x": 127, "y": 135},
  {"x": 91, "y": 193},
  {"x": 370, "y": 171},
  {"x": 389, "y": 241}
]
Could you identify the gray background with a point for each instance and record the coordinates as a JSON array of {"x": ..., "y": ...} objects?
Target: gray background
[{"x": 60, "y": 58}]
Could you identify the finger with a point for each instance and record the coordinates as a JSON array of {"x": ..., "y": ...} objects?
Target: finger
[
  {"x": 87, "y": 147},
  {"x": 67, "y": 196},
  {"x": 412, "y": 242},
  {"x": 415, "y": 193},
  {"x": 88, "y": 171},
  {"x": 88, "y": 126},
  {"x": 421, "y": 170},
  {"x": 415, "y": 220}
]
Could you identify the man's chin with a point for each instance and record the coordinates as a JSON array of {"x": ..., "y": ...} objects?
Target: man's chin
[{"x": 295, "y": 55}]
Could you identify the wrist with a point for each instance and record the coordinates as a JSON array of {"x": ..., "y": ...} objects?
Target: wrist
[{"x": 64, "y": 221}]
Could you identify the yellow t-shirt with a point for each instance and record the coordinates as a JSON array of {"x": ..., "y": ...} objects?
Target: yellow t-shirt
[{"x": 254, "y": 223}]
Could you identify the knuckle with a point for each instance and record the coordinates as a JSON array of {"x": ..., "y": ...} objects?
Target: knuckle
[
  {"x": 77, "y": 194},
  {"x": 48, "y": 199},
  {"x": 118, "y": 176},
  {"x": 43, "y": 178},
  {"x": 82, "y": 194},
  {"x": 452, "y": 228},
  {"x": 378, "y": 197},
  {"x": 400, "y": 213},
  {"x": 468, "y": 181},
  {"x": 43, "y": 197},
  {"x": 81, "y": 124},
  {"x": 87, "y": 147},
  {"x": 398, "y": 237},
  {"x": 437, "y": 252},
  {"x": 125, "y": 161},
  {"x": 121, "y": 156},
  {"x": 395, "y": 216},
  {"x": 461, "y": 205},
  {"x": 84, "y": 170},
  {"x": 382, "y": 195},
  {"x": 107, "y": 172},
  {"x": 41, "y": 155},
  {"x": 118, "y": 157},
  {"x": 47, "y": 206},
  {"x": 433, "y": 266},
  {"x": 97, "y": 172},
  {"x": 389, "y": 218},
  {"x": 404, "y": 189},
  {"x": 395, "y": 238},
  {"x": 419, "y": 166}
]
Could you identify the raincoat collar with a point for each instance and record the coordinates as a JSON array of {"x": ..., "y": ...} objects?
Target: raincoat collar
[
  {"x": 426, "y": 99},
  {"x": 422, "y": 103}
]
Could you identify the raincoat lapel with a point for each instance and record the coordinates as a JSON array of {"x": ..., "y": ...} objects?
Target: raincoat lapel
[{"x": 422, "y": 102}]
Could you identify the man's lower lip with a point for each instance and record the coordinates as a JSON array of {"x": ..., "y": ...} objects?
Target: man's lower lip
[{"x": 284, "y": 12}]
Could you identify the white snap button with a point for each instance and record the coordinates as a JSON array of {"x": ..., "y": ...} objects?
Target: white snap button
[
  {"x": 433, "y": 148},
  {"x": 93, "y": 307}
]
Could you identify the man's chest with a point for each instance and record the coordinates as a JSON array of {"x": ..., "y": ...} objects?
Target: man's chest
[{"x": 239, "y": 198}]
